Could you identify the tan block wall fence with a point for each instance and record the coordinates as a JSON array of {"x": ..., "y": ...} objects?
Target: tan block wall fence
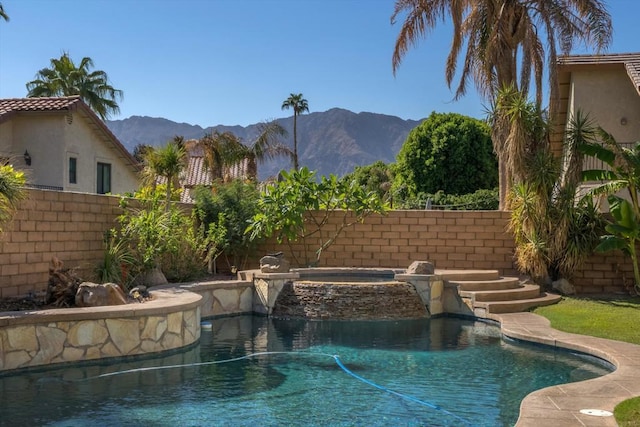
[{"x": 71, "y": 226}]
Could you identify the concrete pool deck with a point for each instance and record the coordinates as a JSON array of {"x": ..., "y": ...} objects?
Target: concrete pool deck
[{"x": 561, "y": 405}]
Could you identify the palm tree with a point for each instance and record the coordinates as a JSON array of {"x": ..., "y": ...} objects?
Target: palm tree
[
  {"x": 220, "y": 152},
  {"x": 266, "y": 146},
  {"x": 299, "y": 106},
  {"x": 166, "y": 162},
  {"x": 64, "y": 78},
  {"x": 506, "y": 44},
  {"x": 3, "y": 14}
]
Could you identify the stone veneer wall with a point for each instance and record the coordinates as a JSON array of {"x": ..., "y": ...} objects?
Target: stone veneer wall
[
  {"x": 348, "y": 301},
  {"x": 170, "y": 321},
  {"x": 71, "y": 226}
]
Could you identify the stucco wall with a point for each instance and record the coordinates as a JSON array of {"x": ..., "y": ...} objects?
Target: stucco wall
[
  {"x": 71, "y": 226},
  {"x": 610, "y": 99},
  {"x": 51, "y": 138}
]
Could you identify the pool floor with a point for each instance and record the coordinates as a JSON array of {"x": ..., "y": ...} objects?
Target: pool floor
[{"x": 251, "y": 370}]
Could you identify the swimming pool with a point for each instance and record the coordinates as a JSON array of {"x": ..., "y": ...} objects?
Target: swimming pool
[{"x": 251, "y": 370}]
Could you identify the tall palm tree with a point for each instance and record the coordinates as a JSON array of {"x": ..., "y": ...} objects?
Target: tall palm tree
[
  {"x": 506, "y": 43},
  {"x": 299, "y": 106},
  {"x": 64, "y": 78}
]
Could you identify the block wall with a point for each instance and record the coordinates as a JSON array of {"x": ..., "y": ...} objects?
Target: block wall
[
  {"x": 67, "y": 225},
  {"x": 71, "y": 227}
]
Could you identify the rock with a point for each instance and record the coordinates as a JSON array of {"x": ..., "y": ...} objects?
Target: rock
[
  {"x": 274, "y": 263},
  {"x": 153, "y": 277},
  {"x": 96, "y": 295},
  {"x": 564, "y": 287},
  {"x": 421, "y": 267}
]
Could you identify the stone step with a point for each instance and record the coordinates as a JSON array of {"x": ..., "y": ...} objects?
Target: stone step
[
  {"x": 466, "y": 275},
  {"x": 524, "y": 292},
  {"x": 500, "y": 307},
  {"x": 486, "y": 285}
]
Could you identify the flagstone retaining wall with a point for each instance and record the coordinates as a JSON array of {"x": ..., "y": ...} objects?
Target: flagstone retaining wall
[{"x": 33, "y": 338}]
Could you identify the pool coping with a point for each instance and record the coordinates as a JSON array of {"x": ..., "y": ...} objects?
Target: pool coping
[{"x": 560, "y": 405}]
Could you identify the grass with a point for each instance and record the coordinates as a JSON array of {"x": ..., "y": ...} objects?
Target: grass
[{"x": 612, "y": 318}]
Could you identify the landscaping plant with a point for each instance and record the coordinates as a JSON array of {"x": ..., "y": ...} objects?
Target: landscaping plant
[
  {"x": 298, "y": 208},
  {"x": 623, "y": 174},
  {"x": 11, "y": 191}
]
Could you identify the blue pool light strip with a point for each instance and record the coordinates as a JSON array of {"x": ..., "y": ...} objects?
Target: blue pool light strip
[{"x": 267, "y": 353}]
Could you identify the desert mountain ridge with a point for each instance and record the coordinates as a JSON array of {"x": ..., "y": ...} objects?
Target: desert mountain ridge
[{"x": 330, "y": 142}]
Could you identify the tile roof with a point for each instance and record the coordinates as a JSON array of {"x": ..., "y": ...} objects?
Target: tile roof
[
  {"x": 631, "y": 61},
  {"x": 12, "y": 106},
  {"x": 39, "y": 104}
]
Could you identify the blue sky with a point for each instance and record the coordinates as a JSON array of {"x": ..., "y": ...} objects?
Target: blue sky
[{"x": 230, "y": 62}]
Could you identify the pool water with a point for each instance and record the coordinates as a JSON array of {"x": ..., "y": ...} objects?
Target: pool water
[{"x": 255, "y": 371}]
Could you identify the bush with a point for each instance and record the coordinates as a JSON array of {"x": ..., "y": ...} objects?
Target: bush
[
  {"x": 479, "y": 200},
  {"x": 447, "y": 152},
  {"x": 236, "y": 201}
]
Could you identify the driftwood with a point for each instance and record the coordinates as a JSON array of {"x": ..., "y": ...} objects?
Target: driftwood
[{"x": 63, "y": 285}]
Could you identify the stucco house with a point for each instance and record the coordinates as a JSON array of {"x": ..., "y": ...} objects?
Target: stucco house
[
  {"x": 607, "y": 87},
  {"x": 63, "y": 145}
]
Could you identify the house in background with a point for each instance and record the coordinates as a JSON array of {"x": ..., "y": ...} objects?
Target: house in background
[
  {"x": 607, "y": 88},
  {"x": 61, "y": 144}
]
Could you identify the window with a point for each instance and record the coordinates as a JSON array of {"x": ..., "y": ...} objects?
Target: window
[
  {"x": 73, "y": 177},
  {"x": 104, "y": 178}
]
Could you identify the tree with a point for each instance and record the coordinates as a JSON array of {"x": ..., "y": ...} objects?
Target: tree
[
  {"x": 266, "y": 146},
  {"x": 166, "y": 162},
  {"x": 299, "y": 207},
  {"x": 3, "y": 14},
  {"x": 376, "y": 177},
  {"x": 299, "y": 106},
  {"x": 447, "y": 152},
  {"x": 500, "y": 34},
  {"x": 140, "y": 151},
  {"x": 221, "y": 150},
  {"x": 64, "y": 78}
]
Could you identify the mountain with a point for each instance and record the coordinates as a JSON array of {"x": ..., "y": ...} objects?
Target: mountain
[{"x": 333, "y": 141}]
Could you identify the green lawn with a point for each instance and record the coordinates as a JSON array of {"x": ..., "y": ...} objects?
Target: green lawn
[{"x": 612, "y": 318}]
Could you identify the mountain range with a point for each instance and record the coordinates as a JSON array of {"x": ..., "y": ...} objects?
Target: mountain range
[{"x": 329, "y": 142}]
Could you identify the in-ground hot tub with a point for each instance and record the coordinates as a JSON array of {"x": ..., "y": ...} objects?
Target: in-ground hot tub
[{"x": 339, "y": 293}]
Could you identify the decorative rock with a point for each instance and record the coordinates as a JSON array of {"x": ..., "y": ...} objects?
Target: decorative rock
[
  {"x": 564, "y": 287},
  {"x": 421, "y": 267},
  {"x": 95, "y": 295},
  {"x": 274, "y": 263}
]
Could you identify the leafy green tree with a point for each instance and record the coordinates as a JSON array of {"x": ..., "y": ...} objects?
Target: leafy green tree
[
  {"x": 623, "y": 174},
  {"x": 299, "y": 106},
  {"x": 230, "y": 206},
  {"x": 376, "y": 177},
  {"x": 140, "y": 151},
  {"x": 502, "y": 44},
  {"x": 447, "y": 152},
  {"x": 11, "y": 191},
  {"x": 64, "y": 78},
  {"x": 299, "y": 207}
]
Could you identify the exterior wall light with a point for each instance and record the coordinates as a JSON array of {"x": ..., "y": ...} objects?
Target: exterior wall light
[{"x": 27, "y": 158}]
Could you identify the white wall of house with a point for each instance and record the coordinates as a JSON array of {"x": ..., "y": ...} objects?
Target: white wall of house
[
  {"x": 51, "y": 140},
  {"x": 609, "y": 97}
]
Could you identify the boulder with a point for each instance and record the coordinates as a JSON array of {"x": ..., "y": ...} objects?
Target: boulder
[
  {"x": 274, "y": 263},
  {"x": 421, "y": 267},
  {"x": 96, "y": 295},
  {"x": 564, "y": 287}
]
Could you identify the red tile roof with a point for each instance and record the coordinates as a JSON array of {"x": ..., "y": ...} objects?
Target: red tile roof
[{"x": 67, "y": 103}]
